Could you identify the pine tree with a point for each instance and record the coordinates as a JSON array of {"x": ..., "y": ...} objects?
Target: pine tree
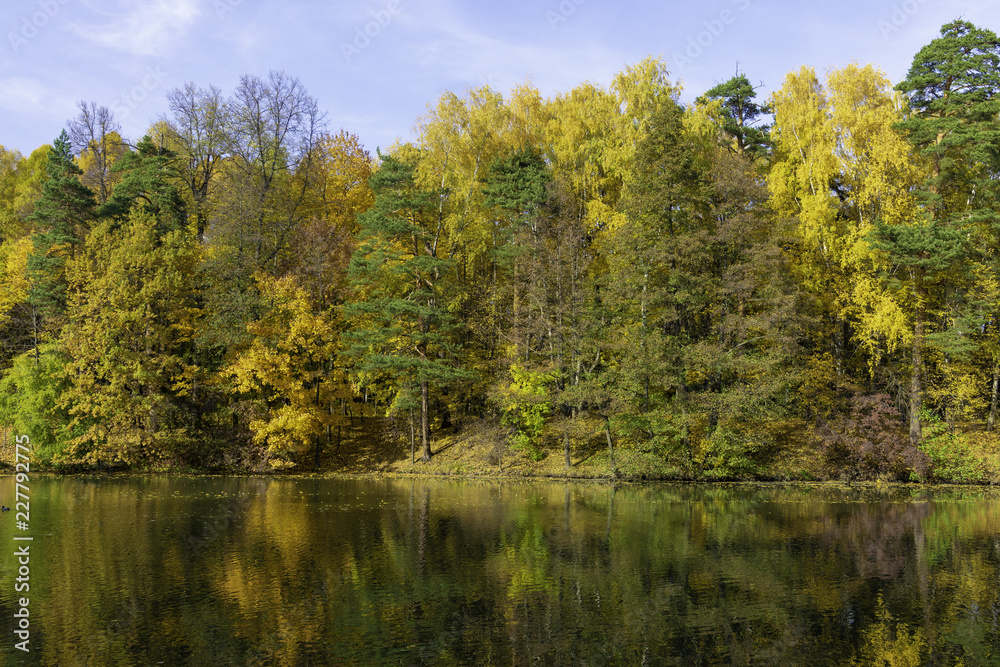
[
  {"x": 401, "y": 328},
  {"x": 147, "y": 181},
  {"x": 953, "y": 88},
  {"x": 63, "y": 215},
  {"x": 741, "y": 116},
  {"x": 514, "y": 189}
]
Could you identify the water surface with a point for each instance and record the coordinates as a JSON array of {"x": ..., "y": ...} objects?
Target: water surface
[{"x": 311, "y": 571}]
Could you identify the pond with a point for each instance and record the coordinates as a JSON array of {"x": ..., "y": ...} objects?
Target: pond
[{"x": 321, "y": 571}]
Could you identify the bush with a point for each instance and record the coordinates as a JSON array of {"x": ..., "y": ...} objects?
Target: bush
[
  {"x": 731, "y": 453},
  {"x": 524, "y": 405},
  {"x": 952, "y": 456},
  {"x": 872, "y": 443}
]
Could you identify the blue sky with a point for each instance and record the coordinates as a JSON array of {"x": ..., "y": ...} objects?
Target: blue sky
[{"x": 375, "y": 65}]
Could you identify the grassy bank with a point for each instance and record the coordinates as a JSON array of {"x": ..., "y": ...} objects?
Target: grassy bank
[{"x": 578, "y": 449}]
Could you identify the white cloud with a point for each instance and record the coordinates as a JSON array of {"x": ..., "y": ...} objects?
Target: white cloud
[
  {"x": 139, "y": 27},
  {"x": 22, "y": 95},
  {"x": 463, "y": 52}
]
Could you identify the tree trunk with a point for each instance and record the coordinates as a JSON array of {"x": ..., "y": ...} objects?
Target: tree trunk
[
  {"x": 566, "y": 450},
  {"x": 611, "y": 449},
  {"x": 993, "y": 399},
  {"x": 425, "y": 427},
  {"x": 916, "y": 385}
]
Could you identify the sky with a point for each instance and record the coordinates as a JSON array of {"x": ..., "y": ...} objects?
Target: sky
[{"x": 374, "y": 66}]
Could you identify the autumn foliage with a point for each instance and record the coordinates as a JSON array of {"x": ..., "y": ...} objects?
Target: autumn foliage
[{"x": 804, "y": 286}]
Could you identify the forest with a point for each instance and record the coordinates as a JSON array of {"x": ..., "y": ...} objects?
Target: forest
[{"x": 802, "y": 287}]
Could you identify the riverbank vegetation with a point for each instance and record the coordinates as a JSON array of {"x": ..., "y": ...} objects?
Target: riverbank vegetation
[{"x": 802, "y": 288}]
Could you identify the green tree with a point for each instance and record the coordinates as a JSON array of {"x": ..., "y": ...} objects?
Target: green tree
[
  {"x": 30, "y": 394},
  {"x": 401, "y": 328},
  {"x": 514, "y": 189},
  {"x": 953, "y": 88},
  {"x": 147, "y": 181},
  {"x": 129, "y": 338},
  {"x": 63, "y": 216},
  {"x": 741, "y": 117}
]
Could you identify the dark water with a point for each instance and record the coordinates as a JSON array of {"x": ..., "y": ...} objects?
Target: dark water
[{"x": 256, "y": 571}]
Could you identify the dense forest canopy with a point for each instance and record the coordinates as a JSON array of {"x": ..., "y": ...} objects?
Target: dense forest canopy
[{"x": 715, "y": 287}]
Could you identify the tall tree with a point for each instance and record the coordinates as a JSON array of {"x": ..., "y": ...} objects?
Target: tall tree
[
  {"x": 132, "y": 320},
  {"x": 63, "y": 216},
  {"x": 840, "y": 168},
  {"x": 953, "y": 88},
  {"x": 401, "y": 328},
  {"x": 655, "y": 291},
  {"x": 742, "y": 117},
  {"x": 96, "y": 138},
  {"x": 197, "y": 134},
  {"x": 272, "y": 129},
  {"x": 515, "y": 188}
]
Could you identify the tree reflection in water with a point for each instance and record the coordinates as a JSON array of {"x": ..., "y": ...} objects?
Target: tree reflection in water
[{"x": 368, "y": 571}]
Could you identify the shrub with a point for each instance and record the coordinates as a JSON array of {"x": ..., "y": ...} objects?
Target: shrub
[
  {"x": 525, "y": 404},
  {"x": 872, "y": 443},
  {"x": 952, "y": 456}
]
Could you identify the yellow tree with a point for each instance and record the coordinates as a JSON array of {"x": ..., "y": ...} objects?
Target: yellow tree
[
  {"x": 877, "y": 171},
  {"x": 324, "y": 240},
  {"x": 802, "y": 175},
  {"x": 839, "y": 168},
  {"x": 459, "y": 139},
  {"x": 20, "y": 185},
  {"x": 131, "y": 324},
  {"x": 290, "y": 369},
  {"x": 14, "y": 281},
  {"x": 579, "y": 137}
]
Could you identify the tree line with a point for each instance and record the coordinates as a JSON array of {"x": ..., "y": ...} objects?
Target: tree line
[{"x": 713, "y": 285}]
